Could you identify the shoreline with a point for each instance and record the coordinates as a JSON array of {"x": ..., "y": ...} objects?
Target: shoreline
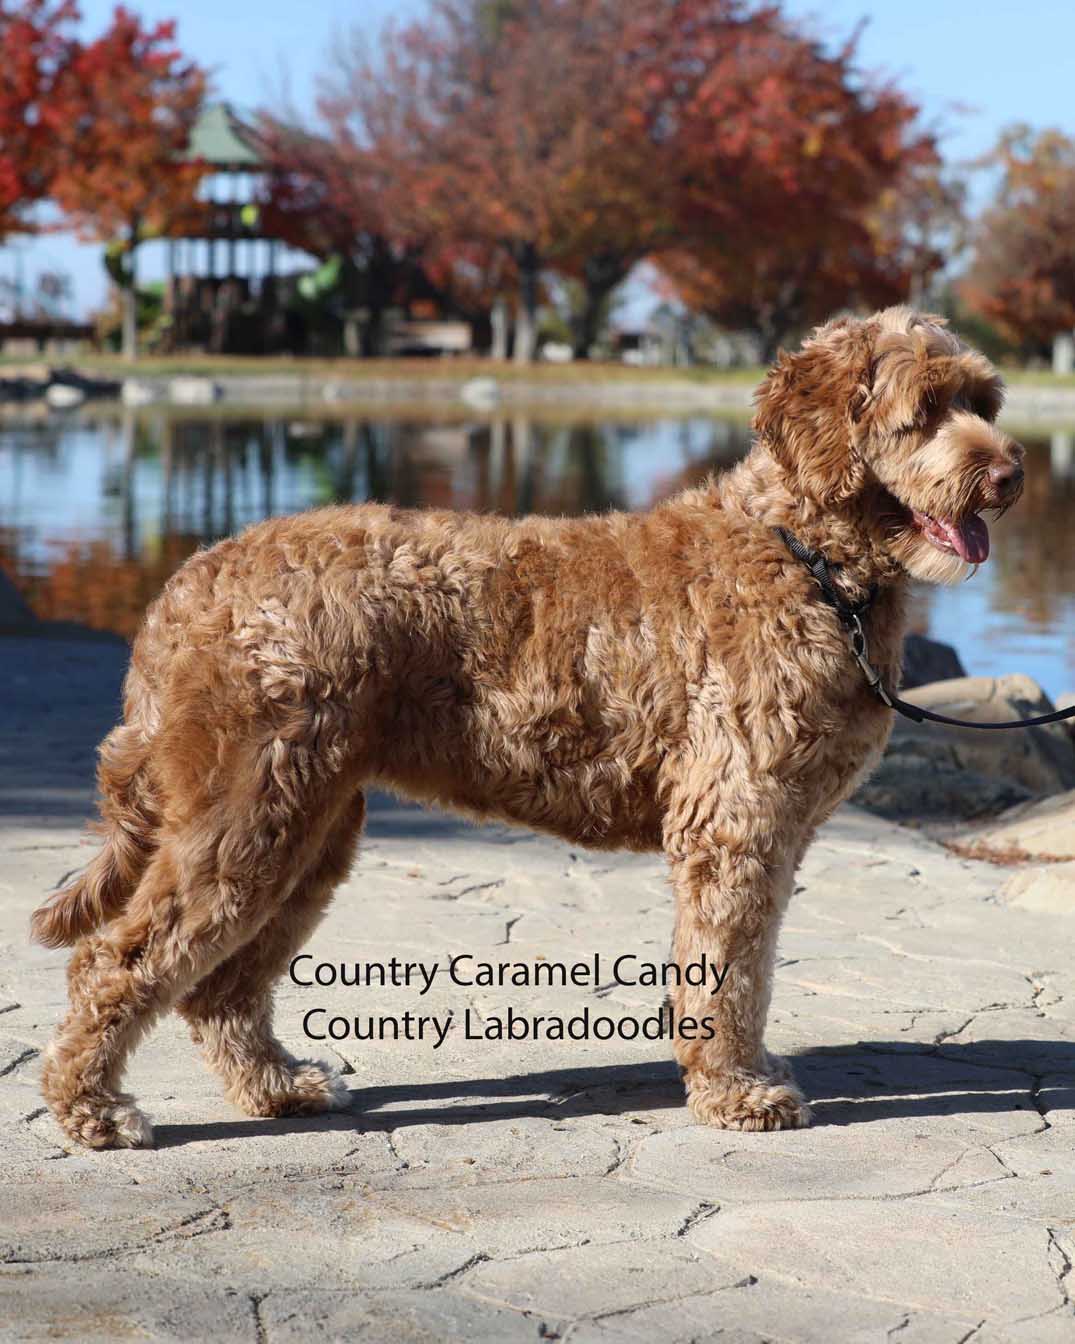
[{"x": 472, "y": 389}]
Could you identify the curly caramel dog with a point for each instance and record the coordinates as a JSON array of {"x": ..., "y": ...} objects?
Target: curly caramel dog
[{"x": 661, "y": 681}]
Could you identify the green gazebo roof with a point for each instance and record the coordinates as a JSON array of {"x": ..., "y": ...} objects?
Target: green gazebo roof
[{"x": 221, "y": 139}]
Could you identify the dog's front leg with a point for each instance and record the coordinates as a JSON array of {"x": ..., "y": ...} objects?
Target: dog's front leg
[{"x": 729, "y": 904}]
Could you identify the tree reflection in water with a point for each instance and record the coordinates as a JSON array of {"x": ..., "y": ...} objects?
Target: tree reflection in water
[{"x": 98, "y": 509}]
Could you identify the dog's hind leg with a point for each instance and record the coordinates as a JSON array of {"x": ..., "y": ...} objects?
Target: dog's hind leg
[
  {"x": 213, "y": 884},
  {"x": 230, "y": 1011},
  {"x": 118, "y": 981},
  {"x": 731, "y": 892}
]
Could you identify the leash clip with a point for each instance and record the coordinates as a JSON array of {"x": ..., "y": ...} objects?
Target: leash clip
[{"x": 860, "y": 650}]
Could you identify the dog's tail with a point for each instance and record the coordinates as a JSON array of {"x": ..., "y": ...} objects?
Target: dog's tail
[{"x": 129, "y": 821}]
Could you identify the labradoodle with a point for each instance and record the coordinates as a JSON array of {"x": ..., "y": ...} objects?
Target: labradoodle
[{"x": 669, "y": 680}]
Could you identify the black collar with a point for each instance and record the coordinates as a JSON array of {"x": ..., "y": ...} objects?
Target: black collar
[{"x": 851, "y": 614}]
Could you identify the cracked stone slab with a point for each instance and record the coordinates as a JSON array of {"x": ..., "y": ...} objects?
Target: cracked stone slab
[
  {"x": 760, "y": 1309},
  {"x": 396, "y": 1318},
  {"x": 848, "y": 1162},
  {"x": 313, "y": 1235},
  {"x": 80, "y": 1225},
  {"x": 594, "y": 1280},
  {"x": 15, "y": 1054},
  {"x": 500, "y": 1150},
  {"x": 924, "y": 1254},
  {"x": 48, "y": 1302},
  {"x": 554, "y": 1213}
]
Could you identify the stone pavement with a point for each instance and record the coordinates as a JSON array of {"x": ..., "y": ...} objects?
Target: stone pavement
[{"x": 500, "y": 1191}]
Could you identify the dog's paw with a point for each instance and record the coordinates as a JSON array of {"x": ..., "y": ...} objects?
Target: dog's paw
[
  {"x": 746, "y": 1102},
  {"x": 316, "y": 1088},
  {"x": 105, "y": 1122},
  {"x": 301, "y": 1088}
]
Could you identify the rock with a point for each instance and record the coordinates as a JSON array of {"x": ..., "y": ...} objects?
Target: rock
[
  {"x": 482, "y": 394},
  {"x": 1042, "y": 830},
  {"x": 926, "y": 660},
  {"x": 1066, "y": 701},
  {"x": 62, "y": 396},
  {"x": 134, "y": 392},
  {"x": 932, "y": 773},
  {"x": 1048, "y": 889},
  {"x": 193, "y": 391}
]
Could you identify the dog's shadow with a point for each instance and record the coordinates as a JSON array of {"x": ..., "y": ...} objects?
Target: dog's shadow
[{"x": 870, "y": 1081}]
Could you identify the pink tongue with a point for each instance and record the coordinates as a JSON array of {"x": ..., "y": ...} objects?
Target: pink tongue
[{"x": 970, "y": 537}]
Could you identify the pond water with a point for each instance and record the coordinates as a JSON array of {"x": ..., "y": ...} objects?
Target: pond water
[{"x": 98, "y": 507}]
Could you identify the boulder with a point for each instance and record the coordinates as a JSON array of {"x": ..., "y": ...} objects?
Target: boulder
[
  {"x": 193, "y": 391},
  {"x": 137, "y": 392},
  {"x": 1066, "y": 701},
  {"x": 1039, "y": 830},
  {"x": 926, "y": 660},
  {"x": 933, "y": 774},
  {"x": 62, "y": 396},
  {"x": 1047, "y": 888},
  {"x": 481, "y": 394}
]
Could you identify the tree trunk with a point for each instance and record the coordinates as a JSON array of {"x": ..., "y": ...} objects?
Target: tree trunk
[
  {"x": 373, "y": 332},
  {"x": 1063, "y": 352},
  {"x": 601, "y": 275},
  {"x": 129, "y": 302},
  {"x": 498, "y": 321},
  {"x": 769, "y": 339},
  {"x": 526, "y": 309}
]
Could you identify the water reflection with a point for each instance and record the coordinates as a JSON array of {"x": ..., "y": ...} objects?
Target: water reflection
[{"x": 96, "y": 510}]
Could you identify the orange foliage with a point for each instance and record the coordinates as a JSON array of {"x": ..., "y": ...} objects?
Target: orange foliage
[
  {"x": 120, "y": 119},
  {"x": 1022, "y": 277},
  {"x": 796, "y": 180},
  {"x": 586, "y": 135},
  {"x": 88, "y": 583},
  {"x": 35, "y": 41}
]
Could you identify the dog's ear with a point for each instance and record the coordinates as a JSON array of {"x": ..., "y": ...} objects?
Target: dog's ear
[{"x": 808, "y": 408}]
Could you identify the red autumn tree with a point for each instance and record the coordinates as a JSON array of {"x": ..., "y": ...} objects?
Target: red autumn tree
[
  {"x": 796, "y": 174},
  {"x": 583, "y": 136},
  {"x": 344, "y": 190},
  {"x": 1022, "y": 276},
  {"x": 120, "y": 122},
  {"x": 494, "y": 120},
  {"x": 34, "y": 43}
]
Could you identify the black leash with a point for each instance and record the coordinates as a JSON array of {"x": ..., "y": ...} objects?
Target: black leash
[{"x": 851, "y": 616}]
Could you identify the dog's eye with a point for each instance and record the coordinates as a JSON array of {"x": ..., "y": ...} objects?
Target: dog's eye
[
  {"x": 984, "y": 407},
  {"x": 980, "y": 400}
]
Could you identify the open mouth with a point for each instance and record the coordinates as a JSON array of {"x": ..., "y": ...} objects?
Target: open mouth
[{"x": 966, "y": 537}]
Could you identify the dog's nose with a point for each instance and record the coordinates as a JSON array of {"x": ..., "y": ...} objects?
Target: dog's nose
[{"x": 1006, "y": 477}]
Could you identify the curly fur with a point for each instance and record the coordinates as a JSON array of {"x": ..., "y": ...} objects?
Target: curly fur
[{"x": 661, "y": 681}]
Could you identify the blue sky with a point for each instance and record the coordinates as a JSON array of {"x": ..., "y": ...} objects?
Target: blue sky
[{"x": 975, "y": 66}]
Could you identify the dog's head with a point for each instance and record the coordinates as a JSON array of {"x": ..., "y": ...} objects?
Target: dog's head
[{"x": 892, "y": 417}]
